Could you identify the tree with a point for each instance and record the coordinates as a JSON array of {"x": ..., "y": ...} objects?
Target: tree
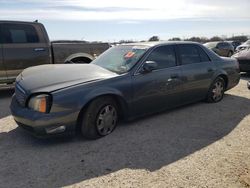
[
  {"x": 174, "y": 39},
  {"x": 216, "y": 38},
  {"x": 154, "y": 38},
  {"x": 242, "y": 38}
]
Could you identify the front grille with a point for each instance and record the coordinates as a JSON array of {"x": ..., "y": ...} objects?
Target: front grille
[{"x": 20, "y": 95}]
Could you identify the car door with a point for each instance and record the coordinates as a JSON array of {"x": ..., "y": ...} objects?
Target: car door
[
  {"x": 3, "y": 76},
  {"x": 159, "y": 89},
  {"x": 23, "y": 47},
  {"x": 197, "y": 71}
]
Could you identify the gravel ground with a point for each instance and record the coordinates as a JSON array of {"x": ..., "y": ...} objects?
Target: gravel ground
[{"x": 199, "y": 145}]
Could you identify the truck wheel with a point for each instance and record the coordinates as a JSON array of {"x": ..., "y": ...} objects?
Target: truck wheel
[
  {"x": 81, "y": 60},
  {"x": 216, "y": 91},
  {"x": 100, "y": 118}
]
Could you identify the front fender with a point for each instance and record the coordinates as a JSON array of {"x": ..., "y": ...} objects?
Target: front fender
[{"x": 118, "y": 95}]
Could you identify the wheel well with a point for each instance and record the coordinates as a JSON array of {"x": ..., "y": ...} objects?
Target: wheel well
[
  {"x": 119, "y": 101},
  {"x": 225, "y": 79},
  {"x": 81, "y": 60}
]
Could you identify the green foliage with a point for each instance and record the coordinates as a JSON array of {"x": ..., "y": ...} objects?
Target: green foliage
[{"x": 154, "y": 38}]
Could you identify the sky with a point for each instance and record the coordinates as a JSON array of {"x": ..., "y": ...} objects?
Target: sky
[{"x": 114, "y": 20}]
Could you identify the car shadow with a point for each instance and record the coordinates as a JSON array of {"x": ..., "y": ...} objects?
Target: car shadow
[
  {"x": 149, "y": 143},
  {"x": 5, "y": 98}
]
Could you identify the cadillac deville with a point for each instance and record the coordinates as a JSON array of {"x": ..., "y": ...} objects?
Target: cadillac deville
[{"x": 125, "y": 82}]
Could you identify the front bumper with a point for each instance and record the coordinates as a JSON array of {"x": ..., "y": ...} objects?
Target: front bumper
[{"x": 43, "y": 125}]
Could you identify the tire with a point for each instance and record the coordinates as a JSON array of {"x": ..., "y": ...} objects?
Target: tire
[
  {"x": 100, "y": 118},
  {"x": 216, "y": 91},
  {"x": 79, "y": 62}
]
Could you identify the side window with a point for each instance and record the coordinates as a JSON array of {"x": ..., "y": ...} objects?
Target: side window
[
  {"x": 189, "y": 54},
  {"x": 221, "y": 45},
  {"x": 164, "y": 56},
  {"x": 203, "y": 56},
  {"x": 19, "y": 33}
]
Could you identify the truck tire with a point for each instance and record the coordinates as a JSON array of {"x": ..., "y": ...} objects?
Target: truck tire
[{"x": 81, "y": 60}]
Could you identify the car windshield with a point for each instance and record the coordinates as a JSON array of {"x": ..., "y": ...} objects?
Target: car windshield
[
  {"x": 210, "y": 44},
  {"x": 120, "y": 59}
]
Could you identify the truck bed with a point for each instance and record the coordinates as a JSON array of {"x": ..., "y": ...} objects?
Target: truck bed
[{"x": 65, "y": 49}]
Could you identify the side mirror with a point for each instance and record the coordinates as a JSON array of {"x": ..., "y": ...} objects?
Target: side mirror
[{"x": 149, "y": 66}]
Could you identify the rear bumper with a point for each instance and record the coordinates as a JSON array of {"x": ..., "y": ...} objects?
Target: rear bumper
[
  {"x": 43, "y": 125},
  {"x": 244, "y": 65}
]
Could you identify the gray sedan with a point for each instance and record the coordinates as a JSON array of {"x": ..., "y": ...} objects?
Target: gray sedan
[
  {"x": 125, "y": 82},
  {"x": 222, "y": 48}
]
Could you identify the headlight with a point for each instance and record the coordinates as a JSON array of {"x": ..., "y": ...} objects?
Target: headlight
[{"x": 41, "y": 103}]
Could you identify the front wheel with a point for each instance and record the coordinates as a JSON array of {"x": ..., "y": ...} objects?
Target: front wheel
[
  {"x": 100, "y": 118},
  {"x": 216, "y": 91}
]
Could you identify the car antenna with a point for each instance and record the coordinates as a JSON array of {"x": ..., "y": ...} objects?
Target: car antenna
[{"x": 36, "y": 21}]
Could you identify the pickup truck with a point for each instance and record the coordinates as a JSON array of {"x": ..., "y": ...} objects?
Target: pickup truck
[{"x": 26, "y": 44}]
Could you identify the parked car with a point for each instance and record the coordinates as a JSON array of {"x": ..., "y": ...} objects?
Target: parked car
[
  {"x": 243, "y": 46},
  {"x": 235, "y": 44},
  {"x": 222, "y": 48},
  {"x": 26, "y": 44},
  {"x": 126, "y": 81},
  {"x": 243, "y": 58}
]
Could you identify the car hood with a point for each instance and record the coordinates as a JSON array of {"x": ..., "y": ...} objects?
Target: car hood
[{"x": 48, "y": 78}]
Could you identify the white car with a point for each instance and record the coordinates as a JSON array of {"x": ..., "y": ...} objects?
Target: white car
[{"x": 243, "y": 46}]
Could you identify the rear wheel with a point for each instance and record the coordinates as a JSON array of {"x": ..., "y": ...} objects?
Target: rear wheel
[
  {"x": 100, "y": 118},
  {"x": 216, "y": 91}
]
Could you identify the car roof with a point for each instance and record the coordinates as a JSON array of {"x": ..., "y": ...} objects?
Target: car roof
[
  {"x": 21, "y": 22},
  {"x": 157, "y": 43}
]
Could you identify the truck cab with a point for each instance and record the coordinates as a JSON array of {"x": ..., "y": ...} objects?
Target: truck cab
[
  {"x": 23, "y": 44},
  {"x": 26, "y": 44}
]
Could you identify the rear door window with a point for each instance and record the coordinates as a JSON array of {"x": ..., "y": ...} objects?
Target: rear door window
[
  {"x": 19, "y": 33},
  {"x": 164, "y": 56},
  {"x": 203, "y": 56},
  {"x": 190, "y": 54}
]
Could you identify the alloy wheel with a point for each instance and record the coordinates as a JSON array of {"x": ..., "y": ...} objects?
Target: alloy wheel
[
  {"x": 106, "y": 120},
  {"x": 218, "y": 91}
]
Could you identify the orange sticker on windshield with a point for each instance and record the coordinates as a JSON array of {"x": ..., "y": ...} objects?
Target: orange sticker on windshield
[{"x": 129, "y": 55}]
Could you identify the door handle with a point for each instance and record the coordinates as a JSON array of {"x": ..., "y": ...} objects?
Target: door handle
[
  {"x": 39, "y": 49},
  {"x": 173, "y": 77}
]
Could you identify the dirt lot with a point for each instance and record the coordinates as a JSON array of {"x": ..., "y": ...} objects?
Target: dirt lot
[{"x": 200, "y": 145}]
